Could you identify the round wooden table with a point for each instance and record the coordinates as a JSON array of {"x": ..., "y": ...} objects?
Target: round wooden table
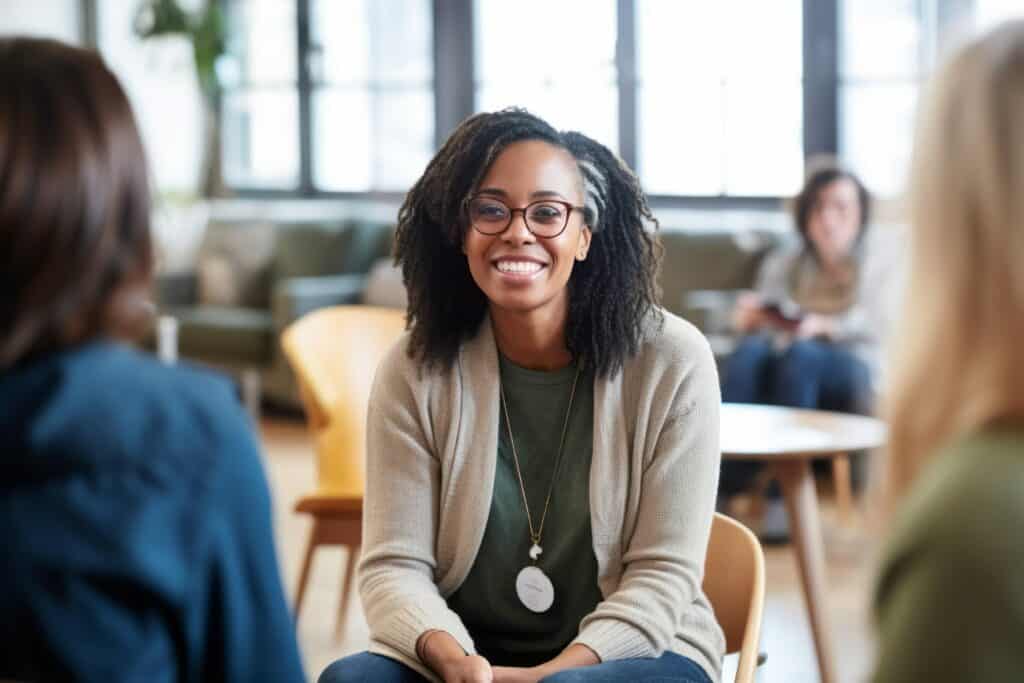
[{"x": 787, "y": 439}]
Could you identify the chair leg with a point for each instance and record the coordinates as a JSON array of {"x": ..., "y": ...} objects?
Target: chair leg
[
  {"x": 307, "y": 564},
  {"x": 251, "y": 392},
  {"x": 346, "y": 588},
  {"x": 844, "y": 488}
]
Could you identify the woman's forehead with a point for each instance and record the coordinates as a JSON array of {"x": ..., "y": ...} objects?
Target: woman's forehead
[{"x": 530, "y": 166}]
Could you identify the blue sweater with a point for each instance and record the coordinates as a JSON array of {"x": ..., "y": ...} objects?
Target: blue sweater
[{"x": 135, "y": 527}]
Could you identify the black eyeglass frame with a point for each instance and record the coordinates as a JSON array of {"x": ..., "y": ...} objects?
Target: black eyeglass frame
[{"x": 569, "y": 207}]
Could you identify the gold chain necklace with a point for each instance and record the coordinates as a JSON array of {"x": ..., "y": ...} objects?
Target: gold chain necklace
[{"x": 534, "y": 588}]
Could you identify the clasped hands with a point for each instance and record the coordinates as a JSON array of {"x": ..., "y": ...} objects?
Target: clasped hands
[
  {"x": 476, "y": 669},
  {"x": 442, "y": 653}
]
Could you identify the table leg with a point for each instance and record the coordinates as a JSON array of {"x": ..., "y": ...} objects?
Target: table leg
[
  {"x": 802, "y": 505},
  {"x": 842, "y": 479}
]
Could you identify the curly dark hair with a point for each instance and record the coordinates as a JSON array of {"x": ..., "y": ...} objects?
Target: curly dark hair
[{"x": 611, "y": 294}]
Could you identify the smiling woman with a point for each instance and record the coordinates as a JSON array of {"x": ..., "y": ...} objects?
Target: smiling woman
[{"x": 543, "y": 444}]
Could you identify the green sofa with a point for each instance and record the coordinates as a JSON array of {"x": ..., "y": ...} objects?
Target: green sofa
[
  {"x": 252, "y": 279},
  {"x": 290, "y": 269},
  {"x": 720, "y": 261}
]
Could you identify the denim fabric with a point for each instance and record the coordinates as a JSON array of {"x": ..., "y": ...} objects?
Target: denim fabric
[
  {"x": 807, "y": 374},
  {"x": 669, "y": 668}
]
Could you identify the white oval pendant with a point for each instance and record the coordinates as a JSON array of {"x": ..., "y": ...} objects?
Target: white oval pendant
[{"x": 535, "y": 589}]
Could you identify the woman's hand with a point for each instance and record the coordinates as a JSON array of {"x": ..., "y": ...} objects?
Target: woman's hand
[
  {"x": 515, "y": 674},
  {"x": 468, "y": 669},
  {"x": 748, "y": 315},
  {"x": 814, "y": 325},
  {"x": 445, "y": 657},
  {"x": 572, "y": 657}
]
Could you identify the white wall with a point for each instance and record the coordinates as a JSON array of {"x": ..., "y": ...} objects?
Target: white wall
[{"x": 46, "y": 18}]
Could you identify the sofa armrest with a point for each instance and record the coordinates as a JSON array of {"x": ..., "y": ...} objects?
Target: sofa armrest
[
  {"x": 175, "y": 289},
  {"x": 710, "y": 309},
  {"x": 296, "y": 296}
]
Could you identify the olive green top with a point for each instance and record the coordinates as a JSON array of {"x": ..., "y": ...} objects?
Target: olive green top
[
  {"x": 505, "y": 631},
  {"x": 950, "y": 597}
]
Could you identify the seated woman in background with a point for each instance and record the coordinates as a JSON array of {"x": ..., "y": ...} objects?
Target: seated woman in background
[
  {"x": 810, "y": 337},
  {"x": 950, "y": 597},
  {"x": 134, "y": 513},
  {"x": 543, "y": 445}
]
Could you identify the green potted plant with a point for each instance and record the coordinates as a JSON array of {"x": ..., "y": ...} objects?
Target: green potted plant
[{"x": 205, "y": 31}]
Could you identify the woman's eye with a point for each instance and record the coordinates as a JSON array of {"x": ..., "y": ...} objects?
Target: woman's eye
[
  {"x": 491, "y": 211},
  {"x": 546, "y": 213}
]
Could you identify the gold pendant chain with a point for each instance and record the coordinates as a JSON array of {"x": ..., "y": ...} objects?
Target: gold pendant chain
[{"x": 535, "y": 536}]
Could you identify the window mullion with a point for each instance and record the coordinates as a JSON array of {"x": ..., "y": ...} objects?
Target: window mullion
[
  {"x": 626, "y": 70},
  {"x": 305, "y": 95},
  {"x": 454, "y": 67},
  {"x": 821, "y": 77}
]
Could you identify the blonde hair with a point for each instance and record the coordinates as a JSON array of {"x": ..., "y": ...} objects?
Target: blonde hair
[{"x": 959, "y": 360}]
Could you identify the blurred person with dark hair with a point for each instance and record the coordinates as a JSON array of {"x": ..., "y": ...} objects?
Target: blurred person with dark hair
[
  {"x": 134, "y": 512},
  {"x": 949, "y": 601},
  {"x": 810, "y": 336},
  {"x": 542, "y": 450}
]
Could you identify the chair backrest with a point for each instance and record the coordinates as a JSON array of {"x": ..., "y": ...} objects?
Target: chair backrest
[
  {"x": 334, "y": 353},
  {"x": 734, "y": 583}
]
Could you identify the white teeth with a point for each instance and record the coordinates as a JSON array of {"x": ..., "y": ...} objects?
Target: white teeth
[{"x": 518, "y": 266}]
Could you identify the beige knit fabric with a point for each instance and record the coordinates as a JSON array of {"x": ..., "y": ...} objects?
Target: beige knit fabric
[{"x": 432, "y": 446}]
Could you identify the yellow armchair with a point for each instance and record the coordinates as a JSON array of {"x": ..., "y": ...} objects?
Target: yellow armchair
[{"x": 334, "y": 353}]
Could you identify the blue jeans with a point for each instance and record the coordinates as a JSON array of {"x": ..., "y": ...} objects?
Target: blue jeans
[
  {"x": 669, "y": 668},
  {"x": 808, "y": 374}
]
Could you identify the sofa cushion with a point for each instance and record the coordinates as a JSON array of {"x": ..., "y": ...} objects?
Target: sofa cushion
[
  {"x": 233, "y": 265},
  {"x": 370, "y": 241},
  {"x": 697, "y": 260},
  {"x": 237, "y": 336},
  {"x": 310, "y": 249},
  {"x": 384, "y": 286}
]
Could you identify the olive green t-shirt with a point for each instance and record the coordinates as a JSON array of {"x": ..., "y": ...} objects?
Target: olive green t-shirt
[
  {"x": 949, "y": 604},
  {"x": 503, "y": 629}
]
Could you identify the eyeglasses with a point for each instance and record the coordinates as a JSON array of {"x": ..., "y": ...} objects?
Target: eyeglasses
[{"x": 544, "y": 218}]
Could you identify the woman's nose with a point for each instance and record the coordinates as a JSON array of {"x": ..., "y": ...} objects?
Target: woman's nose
[{"x": 517, "y": 232}]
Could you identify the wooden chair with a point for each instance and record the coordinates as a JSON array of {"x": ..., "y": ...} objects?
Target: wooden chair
[
  {"x": 734, "y": 583},
  {"x": 334, "y": 353}
]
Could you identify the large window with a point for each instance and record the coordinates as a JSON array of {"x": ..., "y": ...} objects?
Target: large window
[
  {"x": 362, "y": 96},
  {"x": 557, "y": 59},
  {"x": 713, "y": 103},
  {"x": 260, "y": 108},
  {"x": 161, "y": 82},
  {"x": 886, "y": 53},
  {"x": 719, "y": 103},
  {"x": 888, "y": 49},
  {"x": 373, "y": 105}
]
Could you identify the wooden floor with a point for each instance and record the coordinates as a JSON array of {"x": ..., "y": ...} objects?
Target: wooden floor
[{"x": 786, "y": 636}]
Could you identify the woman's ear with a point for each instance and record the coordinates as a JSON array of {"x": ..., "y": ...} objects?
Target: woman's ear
[{"x": 584, "y": 244}]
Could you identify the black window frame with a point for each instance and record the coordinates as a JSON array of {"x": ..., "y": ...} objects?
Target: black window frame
[{"x": 454, "y": 93}]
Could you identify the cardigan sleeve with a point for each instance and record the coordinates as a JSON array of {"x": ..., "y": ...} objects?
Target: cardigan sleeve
[
  {"x": 664, "y": 559},
  {"x": 400, "y": 515}
]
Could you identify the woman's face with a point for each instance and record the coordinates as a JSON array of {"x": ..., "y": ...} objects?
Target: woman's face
[
  {"x": 518, "y": 271},
  {"x": 834, "y": 220}
]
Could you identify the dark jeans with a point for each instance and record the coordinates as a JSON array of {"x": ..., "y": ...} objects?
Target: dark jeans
[
  {"x": 669, "y": 668},
  {"x": 807, "y": 374}
]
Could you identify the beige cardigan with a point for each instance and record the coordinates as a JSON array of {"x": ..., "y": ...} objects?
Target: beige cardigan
[{"x": 432, "y": 446}]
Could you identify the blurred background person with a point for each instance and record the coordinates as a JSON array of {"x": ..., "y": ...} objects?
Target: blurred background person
[
  {"x": 950, "y": 599},
  {"x": 809, "y": 335},
  {"x": 134, "y": 512}
]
